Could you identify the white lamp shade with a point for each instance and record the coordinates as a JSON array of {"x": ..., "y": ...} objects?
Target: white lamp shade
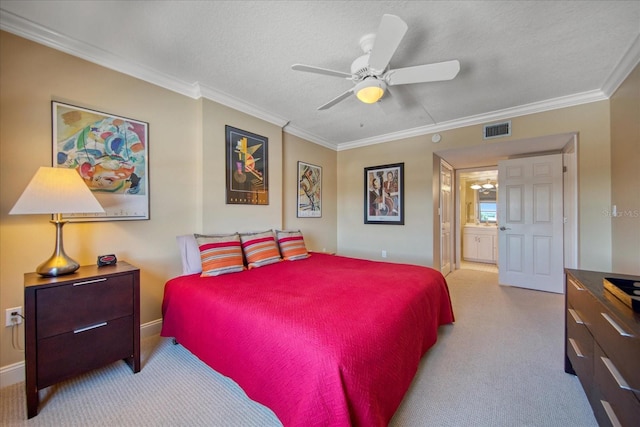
[{"x": 56, "y": 191}]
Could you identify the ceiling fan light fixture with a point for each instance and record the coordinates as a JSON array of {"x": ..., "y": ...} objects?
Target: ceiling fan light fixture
[
  {"x": 476, "y": 187},
  {"x": 371, "y": 72},
  {"x": 370, "y": 91}
]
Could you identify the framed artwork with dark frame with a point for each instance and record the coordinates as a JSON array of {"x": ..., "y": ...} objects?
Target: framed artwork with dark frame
[
  {"x": 309, "y": 201},
  {"x": 246, "y": 167},
  {"x": 110, "y": 153},
  {"x": 384, "y": 194}
]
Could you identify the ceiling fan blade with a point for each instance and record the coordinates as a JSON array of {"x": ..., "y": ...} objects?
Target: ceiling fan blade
[
  {"x": 318, "y": 70},
  {"x": 423, "y": 73},
  {"x": 390, "y": 33},
  {"x": 389, "y": 104},
  {"x": 337, "y": 99}
]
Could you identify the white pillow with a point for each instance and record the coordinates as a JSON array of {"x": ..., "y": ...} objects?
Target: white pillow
[{"x": 190, "y": 254}]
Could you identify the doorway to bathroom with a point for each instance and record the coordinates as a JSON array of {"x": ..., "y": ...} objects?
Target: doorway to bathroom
[{"x": 478, "y": 201}]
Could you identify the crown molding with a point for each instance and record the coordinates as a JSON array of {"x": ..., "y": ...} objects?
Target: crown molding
[
  {"x": 42, "y": 35},
  {"x": 507, "y": 113},
  {"x": 301, "y": 133},
  {"x": 241, "y": 105},
  {"x": 627, "y": 63}
]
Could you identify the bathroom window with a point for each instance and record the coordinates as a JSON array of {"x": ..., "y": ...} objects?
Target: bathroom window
[
  {"x": 487, "y": 206},
  {"x": 487, "y": 212}
]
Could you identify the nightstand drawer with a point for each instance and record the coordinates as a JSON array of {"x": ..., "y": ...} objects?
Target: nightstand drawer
[
  {"x": 75, "y": 305},
  {"x": 90, "y": 347}
]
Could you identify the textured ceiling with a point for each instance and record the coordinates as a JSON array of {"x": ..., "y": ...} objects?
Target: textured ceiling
[{"x": 516, "y": 57}]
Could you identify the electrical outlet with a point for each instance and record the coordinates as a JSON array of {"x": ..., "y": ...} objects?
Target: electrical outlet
[
  {"x": 11, "y": 320},
  {"x": 384, "y": 254}
]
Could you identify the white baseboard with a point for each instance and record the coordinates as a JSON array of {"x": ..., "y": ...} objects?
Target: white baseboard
[
  {"x": 14, "y": 373},
  {"x": 11, "y": 374},
  {"x": 150, "y": 329}
]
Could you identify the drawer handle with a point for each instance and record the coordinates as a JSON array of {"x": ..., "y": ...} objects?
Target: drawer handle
[
  {"x": 610, "y": 413},
  {"x": 575, "y": 285},
  {"x": 576, "y": 349},
  {"x": 88, "y": 282},
  {"x": 616, "y": 326},
  {"x": 615, "y": 374},
  {"x": 575, "y": 316},
  {"x": 97, "y": 325}
]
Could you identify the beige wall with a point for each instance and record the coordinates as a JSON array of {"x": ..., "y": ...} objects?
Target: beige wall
[
  {"x": 625, "y": 175},
  {"x": 186, "y": 149},
  {"x": 320, "y": 233},
  {"x": 414, "y": 242},
  {"x": 409, "y": 242}
]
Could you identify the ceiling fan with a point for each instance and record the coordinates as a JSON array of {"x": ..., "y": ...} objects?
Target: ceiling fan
[{"x": 371, "y": 73}]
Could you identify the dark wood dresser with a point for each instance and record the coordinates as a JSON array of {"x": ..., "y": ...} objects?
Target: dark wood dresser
[
  {"x": 78, "y": 322},
  {"x": 602, "y": 347}
]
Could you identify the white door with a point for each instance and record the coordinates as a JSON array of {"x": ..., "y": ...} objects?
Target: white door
[
  {"x": 530, "y": 223},
  {"x": 446, "y": 217}
]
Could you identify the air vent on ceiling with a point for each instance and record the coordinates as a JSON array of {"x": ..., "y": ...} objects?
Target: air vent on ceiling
[{"x": 497, "y": 130}]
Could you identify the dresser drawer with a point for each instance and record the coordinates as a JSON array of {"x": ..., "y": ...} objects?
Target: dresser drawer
[
  {"x": 581, "y": 300},
  {"x": 613, "y": 401},
  {"x": 72, "y": 353},
  {"x": 580, "y": 348},
  {"x": 619, "y": 343},
  {"x": 75, "y": 305}
]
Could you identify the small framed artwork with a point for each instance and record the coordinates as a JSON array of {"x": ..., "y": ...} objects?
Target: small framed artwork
[
  {"x": 309, "y": 190},
  {"x": 384, "y": 194},
  {"x": 110, "y": 153},
  {"x": 246, "y": 167}
]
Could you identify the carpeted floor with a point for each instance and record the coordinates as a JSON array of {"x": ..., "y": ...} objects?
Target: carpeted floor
[{"x": 500, "y": 364}]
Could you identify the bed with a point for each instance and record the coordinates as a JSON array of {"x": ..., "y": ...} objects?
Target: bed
[{"x": 322, "y": 341}]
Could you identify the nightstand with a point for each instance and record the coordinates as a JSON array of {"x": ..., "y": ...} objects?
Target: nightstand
[{"x": 79, "y": 322}]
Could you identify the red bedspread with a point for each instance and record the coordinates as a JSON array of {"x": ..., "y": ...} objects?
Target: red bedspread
[{"x": 324, "y": 341}]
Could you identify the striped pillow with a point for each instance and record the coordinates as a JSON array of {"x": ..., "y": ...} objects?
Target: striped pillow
[
  {"x": 291, "y": 245},
  {"x": 259, "y": 249},
  {"x": 220, "y": 254}
]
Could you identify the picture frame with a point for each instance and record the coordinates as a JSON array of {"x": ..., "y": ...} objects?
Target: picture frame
[
  {"x": 384, "y": 194},
  {"x": 309, "y": 200},
  {"x": 247, "y": 167},
  {"x": 110, "y": 153}
]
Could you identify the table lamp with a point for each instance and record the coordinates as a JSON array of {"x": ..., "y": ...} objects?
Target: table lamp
[{"x": 57, "y": 191}]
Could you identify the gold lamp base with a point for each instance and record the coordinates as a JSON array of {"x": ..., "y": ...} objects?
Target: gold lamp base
[{"x": 59, "y": 263}]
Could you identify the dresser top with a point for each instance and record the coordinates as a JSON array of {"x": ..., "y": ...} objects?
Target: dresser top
[
  {"x": 85, "y": 271},
  {"x": 593, "y": 281}
]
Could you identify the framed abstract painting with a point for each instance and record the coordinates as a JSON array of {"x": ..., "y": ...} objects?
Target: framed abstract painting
[
  {"x": 309, "y": 201},
  {"x": 110, "y": 153}
]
